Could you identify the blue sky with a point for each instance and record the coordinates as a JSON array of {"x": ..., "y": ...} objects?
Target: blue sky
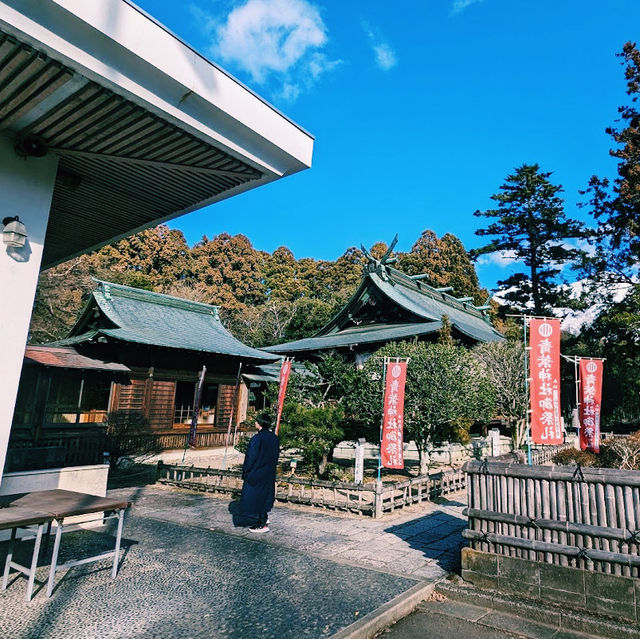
[{"x": 420, "y": 109}]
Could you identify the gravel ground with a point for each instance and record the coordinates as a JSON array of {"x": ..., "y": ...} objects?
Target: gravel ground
[{"x": 188, "y": 572}]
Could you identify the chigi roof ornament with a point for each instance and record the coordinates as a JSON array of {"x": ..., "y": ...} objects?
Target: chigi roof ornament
[{"x": 379, "y": 266}]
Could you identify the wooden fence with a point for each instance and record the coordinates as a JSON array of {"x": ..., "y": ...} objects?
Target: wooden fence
[
  {"x": 55, "y": 449},
  {"x": 372, "y": 499},
  {"x": 585, "y": 518},
  {"x": 60, "y": 448},
  {"x": 170, "y": 440}
]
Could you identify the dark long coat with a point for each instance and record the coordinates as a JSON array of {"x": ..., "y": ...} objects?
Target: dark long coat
[{"x": 259, "y": 472}]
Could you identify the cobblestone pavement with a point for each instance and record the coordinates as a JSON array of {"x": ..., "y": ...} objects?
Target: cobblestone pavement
[
  {"x": 421, "y": 542},
  {"x": 187, "y": 572}
]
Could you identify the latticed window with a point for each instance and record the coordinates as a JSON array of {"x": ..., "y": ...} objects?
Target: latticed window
[{"x": 185, "y": 397}]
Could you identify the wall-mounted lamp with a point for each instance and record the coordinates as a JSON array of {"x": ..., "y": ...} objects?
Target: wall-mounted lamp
[{"x": 14, "y": 233}]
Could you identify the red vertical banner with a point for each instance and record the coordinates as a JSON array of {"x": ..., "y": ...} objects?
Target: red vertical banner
[
  {"x": 590, "y": 401},
  {"x": 285, "y": 370},
  {"x": 391, "y": 449},
  {"x": 544, "y": 370}
]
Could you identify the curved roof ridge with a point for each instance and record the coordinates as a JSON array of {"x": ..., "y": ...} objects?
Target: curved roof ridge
[
  {"x": 152, "y": 297},
  {"x": 441, "y": 296}
]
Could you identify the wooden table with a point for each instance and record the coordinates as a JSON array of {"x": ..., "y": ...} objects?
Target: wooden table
[{"x": 42, "y": 508}]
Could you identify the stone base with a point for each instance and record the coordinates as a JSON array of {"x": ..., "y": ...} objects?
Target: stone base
[{"x": 611, "y": 595}]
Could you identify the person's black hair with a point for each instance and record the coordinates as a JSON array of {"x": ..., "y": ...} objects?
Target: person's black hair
[{"x": 264, "y": 420}]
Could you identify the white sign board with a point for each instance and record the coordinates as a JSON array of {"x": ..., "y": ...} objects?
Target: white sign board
[{"x": 359, "y": 471}]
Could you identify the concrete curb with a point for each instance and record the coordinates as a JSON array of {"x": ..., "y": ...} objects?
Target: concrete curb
[{"x": 386, "y": 614}]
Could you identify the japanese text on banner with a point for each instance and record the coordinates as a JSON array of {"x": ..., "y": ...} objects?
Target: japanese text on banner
[
  {"x": 391, "y": 444},
  {"x": 590, "y": 401},
  {"x": 544, "y": 390}
]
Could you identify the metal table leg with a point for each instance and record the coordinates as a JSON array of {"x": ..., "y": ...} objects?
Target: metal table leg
[
  {"x": 7, "y": 563},
  {"x": 54, "y": 559},
  {"x": 29, "y": 572},
  {"x": 116, "y": 555},
  {"x": 34, "y": 561}
]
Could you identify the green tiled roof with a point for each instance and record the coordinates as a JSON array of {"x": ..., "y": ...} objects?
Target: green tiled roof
[
  {"x": 373, "y": 334},
  {"x": 421, "y": 305},
  {"x": 143, "y": 317}
]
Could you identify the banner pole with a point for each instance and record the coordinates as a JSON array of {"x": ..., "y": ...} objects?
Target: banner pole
[
  {"x": 384, "y": 383},
  {"x": 526, "y": 392}
]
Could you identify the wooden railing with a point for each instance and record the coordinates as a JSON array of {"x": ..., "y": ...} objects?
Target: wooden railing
[
  {"x": 55, "y": 449},
  {"x": 586, "y": 518},
  {"x": 86, "y": 446},
  {"x": 372, "y": 499},
  {"x": 171, "y": 440},
  {"x": 544, "y": 454}
]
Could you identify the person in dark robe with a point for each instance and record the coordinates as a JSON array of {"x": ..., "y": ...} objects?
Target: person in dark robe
[{"x": 259, "y": 474}]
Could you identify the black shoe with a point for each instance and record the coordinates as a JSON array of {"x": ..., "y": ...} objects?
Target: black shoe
[{"x": 259, "y": 528}]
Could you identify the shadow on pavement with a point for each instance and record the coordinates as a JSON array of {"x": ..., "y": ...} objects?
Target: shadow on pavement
[
  {"x": 438, "y": 535},
  {"x": 239, "y": 518}
]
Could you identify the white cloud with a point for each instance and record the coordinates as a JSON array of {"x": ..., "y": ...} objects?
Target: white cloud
[
  {"x": 280, "y": 43},
  {"x": 460, "y": 5},
  {"x": 384, "y": 55},
  {"x": 497, "y": 258}
]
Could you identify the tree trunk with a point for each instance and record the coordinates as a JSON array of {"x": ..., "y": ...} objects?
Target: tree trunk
[
  {"x": 521, "y": 432},
  {"x": 423, "y": 456},
  {"x": 322, "y": 466}
]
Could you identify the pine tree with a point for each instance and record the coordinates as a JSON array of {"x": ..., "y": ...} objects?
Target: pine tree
[
  {"x": 531, "y": 227},
  {"x": 616, "y": 204}
]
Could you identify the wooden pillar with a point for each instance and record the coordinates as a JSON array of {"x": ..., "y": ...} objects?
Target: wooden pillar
[{"x": 243, "y": 402}]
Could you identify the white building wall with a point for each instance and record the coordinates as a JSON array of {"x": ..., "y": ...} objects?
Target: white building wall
[{"x": 26, "y": 187}]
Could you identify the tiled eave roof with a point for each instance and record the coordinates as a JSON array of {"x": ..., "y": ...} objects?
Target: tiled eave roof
[
  {"x": 357, "y": 336},
  {"x": 68, "y": 357},
  {"x": 142, "y": 317}
]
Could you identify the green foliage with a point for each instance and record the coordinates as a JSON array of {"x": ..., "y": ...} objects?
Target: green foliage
[
  {"x": 446, "y": 262},
  {"x": 573, "y": 457},
  {"x": 530, "y": 224},
  {"x": 616, "y": 205},
  {"x": 444, "y": 334},
  {"x": 129, "y": 434},
  {"x": 357, "y": 392},
  {"x": 313, "y": 431},
  {"x": 614, "y": 336},
  {"x": 446, "y": 391},
  {"x": 335, "y": 472}
]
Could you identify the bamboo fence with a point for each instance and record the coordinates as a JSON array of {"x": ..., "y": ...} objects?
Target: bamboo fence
[{"x": 585, "y": 518}]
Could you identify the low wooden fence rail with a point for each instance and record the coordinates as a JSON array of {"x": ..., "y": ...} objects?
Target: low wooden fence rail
[
  {"x": 585, "y": 518},
  {"x": 372, "y": 499},
  {"x": 176, "y": 441}
]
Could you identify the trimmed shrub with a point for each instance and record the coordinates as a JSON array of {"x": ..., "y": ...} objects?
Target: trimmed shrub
[{"x": 573, "y": 457}]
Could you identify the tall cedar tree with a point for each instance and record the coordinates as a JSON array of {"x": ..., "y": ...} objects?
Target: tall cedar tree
[
  {"x": 616, "y": 205},
  {"x": 446, "y": 262},
  {"x": 532, "y": 228},
  {"x": 264, "y": 298}
]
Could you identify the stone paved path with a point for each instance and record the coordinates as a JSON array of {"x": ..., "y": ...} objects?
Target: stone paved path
[
  {"x": 422, "y": 542},
  {"x": 188, "y": 572}
]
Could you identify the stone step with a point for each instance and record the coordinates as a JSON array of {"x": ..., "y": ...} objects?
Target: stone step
[{"x": 562, "y": 619}]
